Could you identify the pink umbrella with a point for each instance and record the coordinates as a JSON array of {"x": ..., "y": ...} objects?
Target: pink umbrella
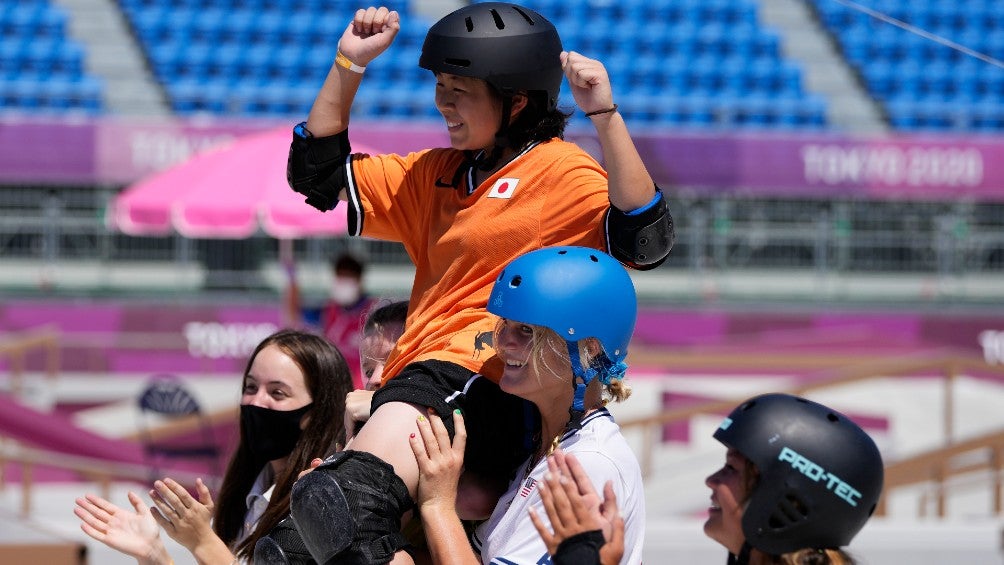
[{"x": 226, "y": 192}]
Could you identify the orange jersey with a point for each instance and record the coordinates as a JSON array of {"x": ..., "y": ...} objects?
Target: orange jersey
[{"x": 551, "y": 194}]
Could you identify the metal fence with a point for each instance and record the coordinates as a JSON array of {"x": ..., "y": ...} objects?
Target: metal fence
[{"x": 63, "y": 225}]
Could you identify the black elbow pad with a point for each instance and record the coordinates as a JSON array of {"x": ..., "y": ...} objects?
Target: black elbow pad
[
  {"x": 641, "y": 241},
  {"x": 316, "y": 166}
]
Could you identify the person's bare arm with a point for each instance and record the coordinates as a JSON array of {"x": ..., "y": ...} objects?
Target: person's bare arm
[
  {"x": 630, "y": 185},
  {"x": 368, "y": 35},
  {"x": 440, "y": 464},
  {"x": 357, "y": 411}
]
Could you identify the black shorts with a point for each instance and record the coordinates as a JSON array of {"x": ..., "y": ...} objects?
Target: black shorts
[{"x": 500, "y": 426}]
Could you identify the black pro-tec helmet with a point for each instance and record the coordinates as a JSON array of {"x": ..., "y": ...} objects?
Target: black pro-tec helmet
[
  {"x": 820, "y": 474},
  {"x": 511, "y": 47}
]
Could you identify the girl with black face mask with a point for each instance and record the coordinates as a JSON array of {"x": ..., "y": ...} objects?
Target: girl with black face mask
[{"x": 292, "y": 404}]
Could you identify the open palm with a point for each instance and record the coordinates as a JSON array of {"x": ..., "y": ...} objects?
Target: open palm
[{"x": 133, "y": 533}]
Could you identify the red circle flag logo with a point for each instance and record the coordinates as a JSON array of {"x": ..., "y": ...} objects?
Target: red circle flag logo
[{"x": 503, "y": 188}]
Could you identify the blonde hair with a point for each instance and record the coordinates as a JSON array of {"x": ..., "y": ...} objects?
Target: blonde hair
[{"x": 545, "y": 339}]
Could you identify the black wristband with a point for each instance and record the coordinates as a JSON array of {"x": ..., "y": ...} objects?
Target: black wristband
[
  {"x": 580, "y": 549},
  {"x": 605, "y": 111}
]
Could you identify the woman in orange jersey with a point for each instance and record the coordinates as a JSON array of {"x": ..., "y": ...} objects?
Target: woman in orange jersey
[{"x": 508, "y": 184}]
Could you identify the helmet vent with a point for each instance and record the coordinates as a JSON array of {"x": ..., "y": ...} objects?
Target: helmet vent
[
  {"x": 469, "y": 23},
  {"x": 593, "y": 257},
  {"x": 832, "y": 417},
  {"x": 789, "y": 511},
  {"x": 516, "y": 281},
  {"x": 526, "y": 16},
  {"x": 498, "y": 19},
  {"x": 457, "y": 62}
]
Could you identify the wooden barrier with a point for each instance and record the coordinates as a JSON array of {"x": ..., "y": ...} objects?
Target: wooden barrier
[
  {"x": 819, "y": 371},
  {"x": 982, "y": 454},
  {"x": 16, "y": 348},
  {"x": 833, "y": 370},
  {"x": 99, "y": 471}
]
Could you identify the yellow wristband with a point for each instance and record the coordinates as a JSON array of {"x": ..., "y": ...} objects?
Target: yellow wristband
[{"x": 345, "y": 63}]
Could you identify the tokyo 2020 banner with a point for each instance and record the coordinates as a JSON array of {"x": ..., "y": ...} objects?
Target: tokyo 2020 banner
[{"x": 115, "y": 151}]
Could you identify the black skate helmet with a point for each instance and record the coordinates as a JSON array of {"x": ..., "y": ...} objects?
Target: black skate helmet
[
  {"x": 820, "y": 474},
  {"x": 511, "y": 47}
]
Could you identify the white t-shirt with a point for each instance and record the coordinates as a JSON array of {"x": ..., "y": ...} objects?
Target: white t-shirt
[{"x": 509, "y": 537}]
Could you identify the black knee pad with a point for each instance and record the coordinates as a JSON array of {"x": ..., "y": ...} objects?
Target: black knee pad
[
  {"x": 348, "y": 510},
  {"x": 282, "y": 546}
]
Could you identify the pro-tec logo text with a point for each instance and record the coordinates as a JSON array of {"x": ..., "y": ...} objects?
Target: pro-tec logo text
[{"x": 815, "y": 472}]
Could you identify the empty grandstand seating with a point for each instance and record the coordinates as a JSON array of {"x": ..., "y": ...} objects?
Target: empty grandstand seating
[
  {"x": 700, "y": 63},
  {"x": 709, "y": 64},
  {"x": 924, "y": 84},
  {"x": 41, "y": 68}
]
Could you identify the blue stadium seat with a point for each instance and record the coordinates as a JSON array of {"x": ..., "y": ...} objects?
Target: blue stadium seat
[
  {"x": 923, "y": 84},
  {"x": 41, "y": 68},
  {"x": 702, "y": 54},
  {"x": 988, "y": 117}
]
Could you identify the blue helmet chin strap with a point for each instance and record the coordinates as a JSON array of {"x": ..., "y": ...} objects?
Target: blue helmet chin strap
[
  {"x": 581, "y": 377},
  {"x": 601, "y": 366}
]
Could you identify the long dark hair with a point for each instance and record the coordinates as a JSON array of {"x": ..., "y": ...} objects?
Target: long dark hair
[
  {"x": 327, "y": 377},
  {"x": 536, "y": 122}
]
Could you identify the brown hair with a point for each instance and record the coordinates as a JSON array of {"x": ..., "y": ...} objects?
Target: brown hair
[
  {"x": 382, "y": 315},
  {"x": 327, "y": 377}
]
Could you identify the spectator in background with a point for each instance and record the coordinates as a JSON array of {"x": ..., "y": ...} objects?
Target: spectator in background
[
  {"x": 383, "y": 327},
  {"x": 292, "y": 398},
  {"x": 380, "y": 332},
  {"x": 340, "y": 318}
]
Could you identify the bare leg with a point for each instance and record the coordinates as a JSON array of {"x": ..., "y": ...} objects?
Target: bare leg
[
  {"x": 402, "y": 558},
  {"x": 386, "y": 435},
  {"x": 349, "y": 509}
]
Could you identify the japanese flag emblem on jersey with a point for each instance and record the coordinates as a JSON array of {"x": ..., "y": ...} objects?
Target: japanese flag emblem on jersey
[{"x": 503, "y": 188}]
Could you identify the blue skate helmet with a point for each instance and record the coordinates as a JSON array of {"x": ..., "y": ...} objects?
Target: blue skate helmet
[{"x": 579, "y": 293}]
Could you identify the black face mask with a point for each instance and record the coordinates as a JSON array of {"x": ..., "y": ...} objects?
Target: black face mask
[{"x": 271, "y": 434}]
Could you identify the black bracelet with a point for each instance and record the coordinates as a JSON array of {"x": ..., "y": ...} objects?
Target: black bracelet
[{"x": 598, "y": 112}]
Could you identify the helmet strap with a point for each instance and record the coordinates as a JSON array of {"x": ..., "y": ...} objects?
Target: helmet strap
[
  {"x": 744, "y": 555},
  {"x": 581, "y": 376}
]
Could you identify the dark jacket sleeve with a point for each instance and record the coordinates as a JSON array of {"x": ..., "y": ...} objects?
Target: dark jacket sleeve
[{"x": 580, "y": 549}]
